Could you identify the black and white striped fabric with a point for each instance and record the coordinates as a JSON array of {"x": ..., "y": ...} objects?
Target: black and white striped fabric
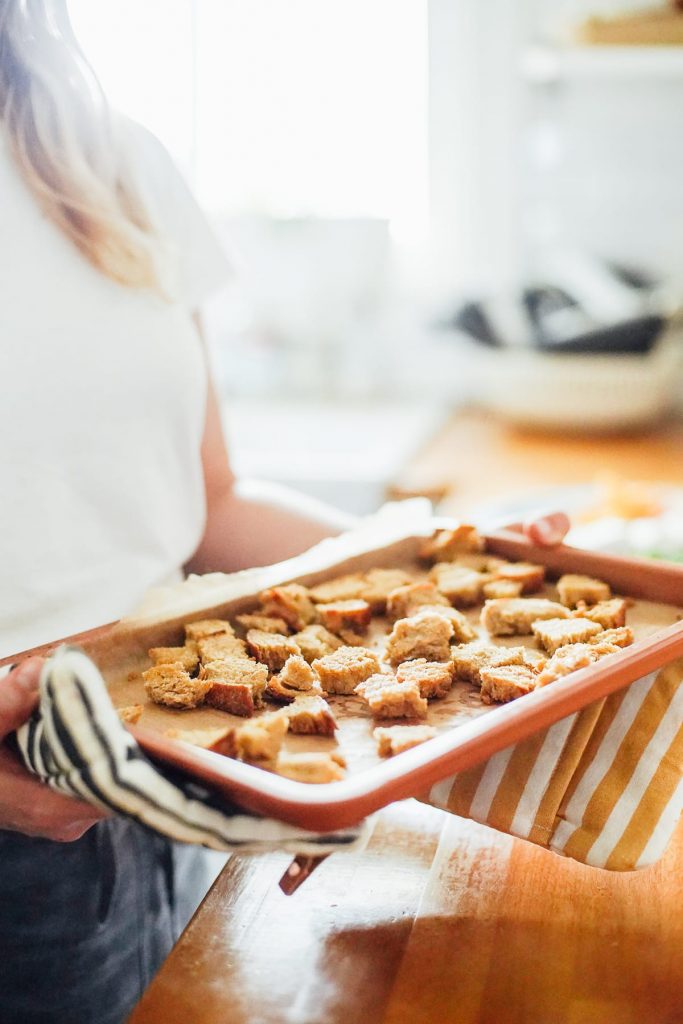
[{"x": 77, "y": 744}]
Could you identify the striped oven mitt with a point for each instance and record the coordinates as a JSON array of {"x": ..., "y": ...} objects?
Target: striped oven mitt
[{"x": 76, "y": 743}]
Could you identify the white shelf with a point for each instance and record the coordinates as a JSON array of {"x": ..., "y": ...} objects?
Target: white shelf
[{"x": 546, "y": 64}]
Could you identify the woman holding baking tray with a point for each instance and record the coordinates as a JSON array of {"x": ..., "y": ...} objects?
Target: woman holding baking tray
[{"x": 115, "y": 478}]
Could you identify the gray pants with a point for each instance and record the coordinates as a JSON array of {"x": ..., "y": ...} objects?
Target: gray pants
[{"x": 84, "y": 926}]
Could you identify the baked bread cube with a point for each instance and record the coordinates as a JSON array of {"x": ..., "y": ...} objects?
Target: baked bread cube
[
  {"x": 408, "y": 599},
  {"x": 622, "y": 636},
  {"x": 555, "y": 633},
  {"x": 480, "y": 562},
  {"x": 207, "y": 627},
  {"x": 609, "y": 614},
  {"x": 235, "y": 685},
  {"x": 187, "y": 656},
  {"x": 387, "y": 698},
  {"x": 567, "y": 660},
  {"x": 342, "y": 588},
  {"x": 425, "y": 635},
  {"x": 379, "y": 583},
  {"x": 268, "y": 623},
  {"x": 261, "y": 739},
  {"x": 446, "y": 545},
  {"x": 345, "y": 668},
  {"x": 463, "y": 587},
  {"x": 313, "y": 768},
  {"x": 311, "y": 716},
  {"x": 514, "y": 616},
  {"x": 469, "y": 660},
  {"x": 298, "y": 674},
  {"x": 280, "y": 693},
  {"x": 220, "y": 741},
  {"x": 271, "y": 649},
  {"x": 434, "y": 678},
  {"x": 316, "y": 641},
  {"x": 573, "y": 588},
  {"x": 291, "y": 603},
  {"x": 501, "y": 588},
  {"x": 531, "y": 577},
  {"x": 220, "y": 645},
  {"x": 507, "y": 682},
  {"x": 353, "y": 614},
  {"x": 394, "y": 739},
  {"x": 463, "y": 630},
  {"x": 174, "y": 687},
  {"x": 131, "y": 714},
  {"x": 350, "y": 638}
]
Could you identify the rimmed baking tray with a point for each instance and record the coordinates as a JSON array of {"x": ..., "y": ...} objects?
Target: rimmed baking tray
[{"x": 472, "y": 732}]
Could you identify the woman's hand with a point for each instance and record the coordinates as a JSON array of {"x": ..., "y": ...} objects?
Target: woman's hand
[
  {"x": 546, "y": 531},
  {"x": 26, "y": 804}
]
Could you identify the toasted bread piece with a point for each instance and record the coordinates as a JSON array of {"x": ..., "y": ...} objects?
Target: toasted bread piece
[
  {"x": 272, "y": 649},
  {"x": 507, "y": 682},
  {"x": 219, "y": 646},
  {"x": 470, "y": 659},
  {"x": 434, "y": 678},
  {"x": 501, "y": 588},
  {"x": 311, "y": 716},
  {"x": 350, "y": 638},
  {"x": 261, "y": 739},
  {"x": 341, "y": 588},
  {"x": 172, "y": 686},
  {"x": 394, "y": 739},
  {"x": 514, "y": 616},
  {"x": 609, "y": 614},
  {"x": 268, "y": 623},
  {"x": 316, "y": 641},
  {"x": 130, "y": 715},
  {"x": 566, "y": 660},
  {"x": 387, "y": 698},
  {"x": 291, "y": 603},
  {"x": 424, "y": 635},
  {"x": 235, "y": 685},
  {"x": 530, "y": 576},
  {"x": 312, "y": 768},
  {"x": 379, "y": 583},
  {"x": 479, "y": 562},
  {"x": 298, "y": 674},
  {"x": 573, "y": 588},
  {"x": 187, "y": 656},
  {"x": 207, "y": 627},
  {"x": 555, "y": 633},
  {"x": 220, "y": 741},
  {"x": 621, "y": 636},
  {"x": 463, "y": 587},
  {"x": 463, "y": 630},
  {"x": 340, "y": 615},
  {"x": 446, "y": 545},
  {"x": 345, "y": 668},
  {"x": 408, "y": 599}
]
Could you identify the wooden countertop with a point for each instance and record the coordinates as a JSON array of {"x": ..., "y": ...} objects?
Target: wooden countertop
[{"x": 442, "y": 920}]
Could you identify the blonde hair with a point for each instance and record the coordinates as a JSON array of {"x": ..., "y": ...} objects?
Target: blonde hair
[{"x": 63, "y": 138}]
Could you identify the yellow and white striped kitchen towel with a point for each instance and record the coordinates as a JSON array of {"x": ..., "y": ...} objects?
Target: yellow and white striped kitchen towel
[{"x": 603, "y": 786}]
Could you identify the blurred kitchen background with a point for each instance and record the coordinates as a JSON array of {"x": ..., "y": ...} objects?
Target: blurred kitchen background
[{"x": 453, "y": 224}]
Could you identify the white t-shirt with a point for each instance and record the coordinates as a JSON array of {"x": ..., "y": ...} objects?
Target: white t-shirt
[{"x": 102, "y": 413}]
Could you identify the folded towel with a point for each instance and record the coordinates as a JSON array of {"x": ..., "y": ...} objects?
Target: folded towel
[{"x": 77, "y": 744}]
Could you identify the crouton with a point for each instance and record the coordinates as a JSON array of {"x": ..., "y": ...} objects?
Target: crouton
[
  {"x": 219, "y": 646},
  {"x": 501, "y": 588},
  {"x": 424, "y": 635},
  {"x": 130, "y": 715},
  {"x": 469, "y": 660},
  {"x": 353, "y": 614},
  {"x": 343, "y": 669},
  {"x": 622, "y": 636},
  {"x": 434, "y": 678},
  {"x": 312, "y": 768},
  {"x": 316, "y": 641},
  {"x": 479, "y": 562},
  {"x": 268, "y": 623},
  {"x": 463, "y": 587},
  {"x": 566, "y": 660},
  {"x": 172, "y": 686},
  {"x": 272, "y": 649},
  {"x": 530, "y": 576},
  {"x": 555, "y": 633},
  {"x": 220, "y": 741},
  {"x": 186, "y": 656},
  {"x": 609, "y": 614},
  {"x": 387, "y": 698},
  {"x": 514, "y": 616},
  {"x": 235, "y": 685},
  {"x": 446, "y": 545},
  {"x": 291, "y": 603},
  {"x": 463, "y": 630},
  {"x": 507, "y": 682},
  {"x": 394, "y": 739},
  {"x": 261, "y": 739},
  {"x": 379, "y": 583},
  {"x": 342, "y": 588},
  {"x": 408, "y": 599},
  {"x": 311, "y": 716},
  {"x": 297, "y": 673},
  {"x": 207, "y": 627},
  {"x": 573, "y": 588}
]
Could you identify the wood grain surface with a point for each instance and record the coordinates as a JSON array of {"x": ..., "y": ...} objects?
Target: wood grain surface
[{"x": 439, "y": 920}]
